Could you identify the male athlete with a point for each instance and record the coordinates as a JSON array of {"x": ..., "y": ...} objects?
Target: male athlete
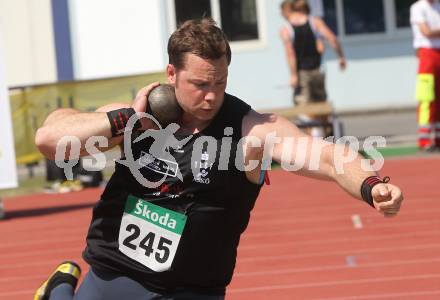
[{"x": 179, "y": 240}]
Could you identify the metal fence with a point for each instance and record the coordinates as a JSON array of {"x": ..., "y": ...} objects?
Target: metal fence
[{"x": 30, "y": 105}]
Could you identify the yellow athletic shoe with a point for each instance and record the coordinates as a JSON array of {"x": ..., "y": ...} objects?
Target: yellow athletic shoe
[
  {"x": 75, "y": 185},
  {"x": 67, "y": 272}
]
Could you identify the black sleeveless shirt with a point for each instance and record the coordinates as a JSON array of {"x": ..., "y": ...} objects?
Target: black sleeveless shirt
[
  {"x": 304, "y": 43},
  {"x": 217, "y": 205}
]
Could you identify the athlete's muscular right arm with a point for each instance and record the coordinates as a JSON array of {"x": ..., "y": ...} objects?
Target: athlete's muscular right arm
[{"x": 70, "y": 122}]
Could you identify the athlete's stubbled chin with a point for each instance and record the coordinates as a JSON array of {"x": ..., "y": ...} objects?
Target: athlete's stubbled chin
[{"x": 205, "y": 114}]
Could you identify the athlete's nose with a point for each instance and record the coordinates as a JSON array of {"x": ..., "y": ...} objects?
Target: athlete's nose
[{"x": 210, "y": 96}]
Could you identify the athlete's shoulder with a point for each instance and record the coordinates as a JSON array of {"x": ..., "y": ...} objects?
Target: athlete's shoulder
[
  {"x": 257, "y": 124},
  {"x": 236, "y": 104}
]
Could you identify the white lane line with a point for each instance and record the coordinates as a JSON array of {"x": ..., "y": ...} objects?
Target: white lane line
[
  {"x": 47, "y": 241},
  {"x": 385, "y": 296},
  {"x": 38, "y": 253},
  {"x": 409, "y": 225},
  {"x": 9, "y": 294},
  {"x": 351, "y": 261},
  {"x": 23, "y": 278},
  {"x": 283, "y": 217},
  {"x": 363, "y": 238},
  {"x": 262, "y": 212},
  {"x": 330, "y": 283},
  {"x": 357, "y": 222},
  {"x": 334, "y": 267},
  {"x": 332, "y": 253},
  {"x": 81, "y": 237},
  {"x": 34, "y": 264},
  {"x": 264, "y": 245}
]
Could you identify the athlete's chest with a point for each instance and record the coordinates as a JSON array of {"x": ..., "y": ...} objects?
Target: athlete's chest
[{"x": 200, "y": 165}]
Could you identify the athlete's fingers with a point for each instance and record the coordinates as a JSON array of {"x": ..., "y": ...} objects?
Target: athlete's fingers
[
  {"x": 140, "y": 105},
  {"x": 396, "y": 193},
  {"x": 392, "y": 206},
  {"x": 140, "y": 102},
  {"x": 381, "y": 192}
]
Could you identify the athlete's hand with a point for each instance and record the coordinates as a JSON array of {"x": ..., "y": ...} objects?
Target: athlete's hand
[
  {"x": 387, "y": 199},
  {"x": 293, "y": 80},
  {"x": 140, "y": 105},
  {"x": 342, "y": 64},
  {"x": 140, "y": 102}
]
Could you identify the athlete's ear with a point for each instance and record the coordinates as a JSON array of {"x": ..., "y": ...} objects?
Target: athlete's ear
[{"x": 171, "y": 74}]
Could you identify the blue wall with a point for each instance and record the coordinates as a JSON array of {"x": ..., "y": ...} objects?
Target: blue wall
[{"x": 380, "y": 74}]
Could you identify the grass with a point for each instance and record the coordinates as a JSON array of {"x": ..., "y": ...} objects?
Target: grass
[
  {"x": 25, "y": 186},
  {"x": 395, "y": 151},
  {"x": 36, "y": 184}
]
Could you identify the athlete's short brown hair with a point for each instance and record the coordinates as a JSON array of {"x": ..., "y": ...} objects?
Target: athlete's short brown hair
[{"x": 201, "y": 37}]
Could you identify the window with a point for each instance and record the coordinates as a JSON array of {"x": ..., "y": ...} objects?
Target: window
[
  {"x": 360, "y": 20},
  {"x": 401, "y": 8},
  {"x": 363, "y": 16},
  {"x": 186, "y": 10},
  {"x": 239, "y": 19},
  {"x": 330, "y": 15}
]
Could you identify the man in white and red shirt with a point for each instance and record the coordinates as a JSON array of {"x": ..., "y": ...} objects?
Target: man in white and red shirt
[{"x": 425, "y": 21}]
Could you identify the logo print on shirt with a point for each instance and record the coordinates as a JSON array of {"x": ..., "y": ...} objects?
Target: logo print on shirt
[
  {"x": 161, "y": 166},
  {"x": 172, "y": 190},
  {"x": 203, "y": 175},
  {"x": 159, "y": 158},
  {"x": 177, "y": 148}
]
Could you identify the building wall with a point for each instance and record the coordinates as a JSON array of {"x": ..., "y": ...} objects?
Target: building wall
[
  {"x": 380, "y": 75},
  {"x": 26, "y": 27},
  {"x": 112, "y": 38},
  {"x": 8, "y": 175},
  {"x": 115, "y": 38},
  {"x": 259, "y": 75}
]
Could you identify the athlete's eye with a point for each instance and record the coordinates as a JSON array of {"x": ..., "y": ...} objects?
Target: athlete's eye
[{"x": 201, "y": 84}]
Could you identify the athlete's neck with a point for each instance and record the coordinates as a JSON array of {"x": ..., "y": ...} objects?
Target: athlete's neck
[{"x": 191, "y": 125}]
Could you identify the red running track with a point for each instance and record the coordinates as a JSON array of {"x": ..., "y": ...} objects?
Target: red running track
[{"x": 301, "y": 242}]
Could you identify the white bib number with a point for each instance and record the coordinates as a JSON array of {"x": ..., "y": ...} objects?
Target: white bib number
[{"x": 150, "y": 234}]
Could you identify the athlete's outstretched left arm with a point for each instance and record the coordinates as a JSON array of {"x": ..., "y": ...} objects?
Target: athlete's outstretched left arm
[{"x": 286, "y": 144}]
